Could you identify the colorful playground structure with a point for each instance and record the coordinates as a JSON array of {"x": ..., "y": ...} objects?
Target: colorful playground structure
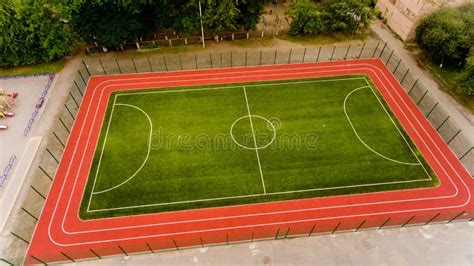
[{"x": 7, "y": 100}]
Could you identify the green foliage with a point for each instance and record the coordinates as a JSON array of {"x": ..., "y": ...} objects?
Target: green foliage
[
  {"x": 467, "y": 82},
  {"x": 250, "y": 12},
  {"x": 347, "y": 16},
  {"x": 305, "y": 18},
  {"x": 220, "y": 15},
  {"x": 31, "y": 34},
  {"x": 447, "y": 34},
  {"x": 105, "y": 22}
]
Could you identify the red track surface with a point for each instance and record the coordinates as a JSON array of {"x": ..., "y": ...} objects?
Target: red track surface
[{"x": 60, "y": 230}]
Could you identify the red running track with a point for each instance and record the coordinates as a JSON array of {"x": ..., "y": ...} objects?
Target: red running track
[{"x": 60, "y": 232}]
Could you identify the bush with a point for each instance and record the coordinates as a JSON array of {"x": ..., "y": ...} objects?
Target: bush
[
  {"x": 305, "y": 18},
  {"x": 31, "y": 34},
  {"x": 467, "y": 82},
  {"x": 447, "y": 34}
]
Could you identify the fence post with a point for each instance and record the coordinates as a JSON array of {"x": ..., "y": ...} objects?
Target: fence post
[
  {"x": 175, "y": 244},
  {"x": 312, "y": 230},
  {"x": 196, "y": 60},
  {"x": 231, "y": 59},
  {"x": 6, "y": 261},
  {"x": 149, "y": 247},
  {"x": 384, "y": 223},
  {"x": 69, "y": 111},
  {"x": 87, "y": 69},
  {"x": 68, "y": 257},
  {"x": 277, "y": 233},
  {"x": 251, "y": 239},
  {"x": 21, "y": 238},
  {"x": 413, "y": 86},
  {"x": 409, "y": 220},
  {"x": 319, "y": 52},
  {"x": 361, "y": 49},
  {"x": 360, "y": 226},
  {"x": 275, "y": 57},
  {"x": 210, "y": 58},
  {"x": 398, "y": 64},
  {"x": 332, "y": 54},
  {"x": 442, "y": 124},
  {"x": 103, "y": 69},
  {"x": 404, "y": 76},
  {"x": 202, "y": 242},
  {"x": 57, "y": 161},
  {"x": 149, "y": 63},
  {"x": 421, "y": 99},
  {"x": 134, "y": 65},
  {"x": 221, "y": 59},
  {"x": 164, "y": 61},
  {"x": 30, "y": 214},
  {"x": 64, "y": 125},
  {"x": 390, "y": 57},
  {"x": 74, "y": 99},
  {"x": 245, "y": 58},
  {"x": 454, "y": 218},
  {"x": 40, "y": 261},
  {"x": 227, "y": 239},
  {"x": 77, "y": 86},
  {"x": 455, "y": 135},
  {"x": 287, "y": 232},
  {"x": 383, "y": 49},
  {"x": 124, "y": 252},
  {"x": 432, "y": 109},
  {"x": 83, "y": 80},
  {"x": 335, "y": 229},
  {"x": 304, "y": 55},
  {"x": 60, "y": 142},
  {"x": 118, "y": 65},
  {"x": 289, "y": 56},
  {"x": 376, "y": 47},
  {"x": 260, "y": 57},
  {"x": 466, "y": 153},
  {"x": 347, "y": 52},
  {"x": 432, "y": 219},
  {"x": 41, "y": 195},
  {"x": 44, "y": 172}
]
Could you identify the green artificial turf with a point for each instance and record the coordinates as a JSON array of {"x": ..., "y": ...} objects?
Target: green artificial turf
[{"x": 308, "y": 150}]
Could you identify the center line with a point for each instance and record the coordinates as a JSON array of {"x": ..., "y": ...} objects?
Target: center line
[{"x": 254, "y": 141}]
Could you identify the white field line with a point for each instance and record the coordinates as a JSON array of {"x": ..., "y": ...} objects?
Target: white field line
[
  {"x": 398, "y": 129},
  {"x": 102, "y": 152},
  {"x": 248, "y": 148},
  {"x": 254, "y": 141},
  {"x": 360, "y": 139},
  {"x": 362, "y": 66},
  {"x": 147, "y": 155},
  {"x": 263, "y": 182}
]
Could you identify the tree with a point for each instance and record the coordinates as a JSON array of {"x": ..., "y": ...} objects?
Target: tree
[
  {"x": 105, "y": 22},
  {"x": 305, "y": 18},
  {"x": 31, "y": 33},
  {"x": 250, "y": 12},
  {"x": 467, "y": 81},
  {"x": 220, "y": 15},
  {"x": 447, "y": 34},
  {"x": 347, "y": 15}
]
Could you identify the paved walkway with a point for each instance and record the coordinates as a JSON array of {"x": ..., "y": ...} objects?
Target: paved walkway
[
  {"x": 460, "y": 114},
  {"x": 444, "y": 244}
]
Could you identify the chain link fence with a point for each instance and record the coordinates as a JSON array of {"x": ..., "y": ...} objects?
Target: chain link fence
[{"x": 44, "y": 173}]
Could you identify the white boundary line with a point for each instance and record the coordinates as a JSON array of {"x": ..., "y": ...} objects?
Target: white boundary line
[
  {"x": 146, "y": 158},
  {"x": 360, "y": 139},
  {"x": 260, "y": 170},
  {"x": 368, "y": 67},
  {"x": 260, "y": 147},
  {"x": 254, "y": 141},
  {"x": 396, "y": 126}
]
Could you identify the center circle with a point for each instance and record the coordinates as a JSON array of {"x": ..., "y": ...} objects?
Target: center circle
[{"x": 247, "y": 131}]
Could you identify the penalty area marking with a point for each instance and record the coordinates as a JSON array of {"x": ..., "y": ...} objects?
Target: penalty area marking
[{"x": 261, "y": 173}]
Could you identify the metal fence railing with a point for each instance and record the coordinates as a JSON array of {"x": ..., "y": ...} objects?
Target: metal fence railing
[
  {"x": 7, "y": 169},
  {"x": 39, "y": 104},
  {"x": 460, "y": 144}
]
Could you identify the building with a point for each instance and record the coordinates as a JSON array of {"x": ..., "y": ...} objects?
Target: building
[{"x": 403, "y": 15}]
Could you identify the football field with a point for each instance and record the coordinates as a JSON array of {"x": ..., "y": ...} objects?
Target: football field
[{"x": 184, "y": 148}]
